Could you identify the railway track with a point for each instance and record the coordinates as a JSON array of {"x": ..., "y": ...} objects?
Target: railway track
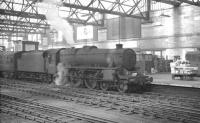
[
  {"x": 43, "y": 113},
  {"x": 172, "y": 99},
  {"x": 138, "y": 104}
]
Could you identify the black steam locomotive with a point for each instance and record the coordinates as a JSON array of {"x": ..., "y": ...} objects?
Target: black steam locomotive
[{"x": 88, "y": 66}]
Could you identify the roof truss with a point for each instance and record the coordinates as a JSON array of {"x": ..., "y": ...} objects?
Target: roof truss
[{"x": 170, "y": 2}]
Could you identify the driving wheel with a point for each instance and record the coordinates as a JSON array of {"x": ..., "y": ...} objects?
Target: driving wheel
[
  {"x": 122, "y": 86},
  {"x": 104, "y": 85}
]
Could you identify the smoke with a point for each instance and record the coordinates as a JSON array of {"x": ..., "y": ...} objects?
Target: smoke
[
  {"x": 56, "y": 21},
  {"x": 60, "y": 75}
]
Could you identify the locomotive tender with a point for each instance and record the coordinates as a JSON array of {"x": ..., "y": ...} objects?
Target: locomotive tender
[{"x": 87, "y": 66}]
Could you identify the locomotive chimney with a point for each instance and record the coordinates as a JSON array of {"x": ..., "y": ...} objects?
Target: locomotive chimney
[{"x": 119, "y": 46}]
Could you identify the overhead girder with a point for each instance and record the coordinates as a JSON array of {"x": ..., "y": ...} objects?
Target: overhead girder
[
  {"x": 170, "y": 2},
  {"x": 42, "y": 17},
  {"x": 15, "y": 17},
  {"x": 84, "y": 22},
  {"x": 126, "y": 8},
  {"x": 84, "y": 17},
  {"x": 178, "y": 2},
  {"x": 192, "y": 2},
  {"x": 16, "y": 31},
  {"x": 6, "y": 34},
  {"x": 3, "y": 37},
  {"x": 133, "y": 8},
  {"x": 22, "y": 14},
  {"x": 23, "y": 24},
  {"x": 20, "y": 30}
]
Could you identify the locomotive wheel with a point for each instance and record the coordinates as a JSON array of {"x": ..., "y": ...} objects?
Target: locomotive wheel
[
  {"x": 137, "y": 88},
  {"x": 50, "y": 78},
  {"x": 76, "y": 82},
  {"x": 104, "y": 85},
  {"x": 5, "y": 74},
  {"x": 75, "y": 79},
  {"x": 123, "y": 86},
  {"x": 11, "y": 75},
  {"x": 91, "y": 83}
]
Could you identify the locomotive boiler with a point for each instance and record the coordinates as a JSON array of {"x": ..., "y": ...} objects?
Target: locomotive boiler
[
  {"x": 103, "y": 68},
  {"x": 92, "y": 56}
]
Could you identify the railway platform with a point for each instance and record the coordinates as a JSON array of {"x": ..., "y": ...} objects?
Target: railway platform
[{"x": 166, "y": 79}]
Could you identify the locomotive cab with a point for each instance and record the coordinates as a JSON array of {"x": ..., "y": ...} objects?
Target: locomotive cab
[{"x": 51, "y": 59}]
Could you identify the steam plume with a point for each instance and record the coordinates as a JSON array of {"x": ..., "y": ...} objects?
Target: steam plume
[
  {"x": 56, "y": 21},
  {"x": 61, "y": 75}
]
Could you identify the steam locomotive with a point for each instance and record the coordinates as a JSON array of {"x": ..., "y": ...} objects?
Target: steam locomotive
[{"x": 88, "y": 66}]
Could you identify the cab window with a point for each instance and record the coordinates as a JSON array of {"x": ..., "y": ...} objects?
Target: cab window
[{"x": 51, "y": 58}]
